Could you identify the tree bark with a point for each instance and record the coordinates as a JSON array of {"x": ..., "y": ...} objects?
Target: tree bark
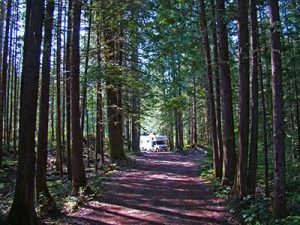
[
  {"x": 23, "y": 204},
  {"x": 226, "y": 96},
  {"x": 3, "y": 81},
  {"x": 68, "y": 91},
  {"x": 10, "y": 85},
  {"x": 265, "y": 145},
  {"x": 243, "y": 36},
  {"x": 84, "y": 89},
  {"x": 15, "y": 84},
  {"x": 180, "y": 130},
  {"x": 296, "y": 103},
  {"x": 41, "y": 167},
  {"x": 194, "y": 113},
  {"x": 252, "y": 169},
  {"x": 52, "y": 112},
  {"x": 113, "y": 91},
  {"x": 2, "y": 19},
  {"x": 100, "y": 122},
  {"x": 78, "y": 171},
  {"x": 216, "y": 161},
  {"x": 217, "y": 82},
  {"x": 58, "y": 91},
  {"x": 279, "y": 204},
  {"x": 135, "y": 123}
]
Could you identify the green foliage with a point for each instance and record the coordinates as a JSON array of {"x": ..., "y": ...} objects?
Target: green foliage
[
  {"x": 207, "y": 173},
  {"x": 255, "y": 210},
  {"x": 59, "y": 188}
]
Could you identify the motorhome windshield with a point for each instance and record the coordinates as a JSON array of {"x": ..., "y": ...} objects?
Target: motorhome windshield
[{"x": 159, "y": 143}]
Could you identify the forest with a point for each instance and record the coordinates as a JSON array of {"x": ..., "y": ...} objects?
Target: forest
[{"x": 81, "y": 81}]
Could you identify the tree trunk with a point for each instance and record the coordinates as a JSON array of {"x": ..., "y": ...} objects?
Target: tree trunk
[
  {"x": 15, "y": 84},
  {"x": 252, "y": 170},
  {"x": 114, "y": 98},
  {"x": 265, "y": 145},
  {"x": 41, "y": 167},
  {"x": 279, "y": 205},
  {"x": 16, "y": 97},
  {"x": 194, "y": 113},
  {"x": 52, "y": 113},
  {"x": 217, "y": 84},
  {"x": 226, "y": 96},
  {"x": 8, "y": 100},
  {"x": 68, "y": 91},
  {"x": 58, "y": 162},
  {"x": 84, "y": 89},
  {"x": 217, "y": 163},
  {"x": 10, "y": 86},
  {"x": 180, "y": 130},
  {"x": 100, "y": 122},
  {"x": 23, "y": 204},
  {"x": 135, "y": 123},
  {"x": 177, "y": 147},
  {"x": 63, "y": 125},
  {"x": 171, "y": 134},
  {"x": 3, "y": 80},
  {"x": 243, "y": 36},
  {"x": 2, "y": 18},
  {"x": 127, "y": 121},
  {"x": 78, "y": 171},
  {"x": 100, "y": 127},
  {"x": 296, "y": 103}
]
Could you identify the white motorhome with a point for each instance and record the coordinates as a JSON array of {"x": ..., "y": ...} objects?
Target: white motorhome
[{"x": 152, "y": 142}]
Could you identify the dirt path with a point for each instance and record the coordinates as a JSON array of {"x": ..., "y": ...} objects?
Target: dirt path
[{"x": 162, "y": 188}]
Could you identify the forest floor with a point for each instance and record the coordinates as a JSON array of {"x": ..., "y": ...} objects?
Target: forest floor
[
  {"x": 160, "y": 188},
  {"x": 153, "y": 188}
]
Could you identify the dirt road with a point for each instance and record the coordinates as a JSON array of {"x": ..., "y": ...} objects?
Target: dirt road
[{"x": 162, "y": 188}]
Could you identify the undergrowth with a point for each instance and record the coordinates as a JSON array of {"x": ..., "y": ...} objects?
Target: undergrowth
[{"x": 257, "y": 210}]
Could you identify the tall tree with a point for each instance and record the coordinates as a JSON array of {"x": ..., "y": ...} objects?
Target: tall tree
[
  {"x": 78, "y": 171},
  {"x": 113, "y": 57},
  {"x": 58, "y": 90},
  {"x": 41, "y": 167},
  {"x": 100, "y": 123},
  {"x": 23, "y": 204},
  {"x": 217, "y": 80},
  {"x": 194, "y": 113},
  {"x": 16, "y": 81},
  {"x": 211, "y": 100},
  {"x": 265, "y": 131},
  {"x": 135, "y": 123},
  {"x": 2, "y": 19},
  {"x": 11, "y": 72},
  {"x": 243, "y": 37},
  {"x": 3, "y": 81},
  {"x": 297, "y": 101},
  {"x": 68, "y": 90},
  {"x": 279, "y": 205},
  {"x": 252, "y": 168},
  {"x": 227, "y": 110},
  {"x": 87, "y": 57}
]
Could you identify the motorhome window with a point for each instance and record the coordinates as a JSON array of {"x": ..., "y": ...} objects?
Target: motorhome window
[{"x": 160, "y": 142}]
